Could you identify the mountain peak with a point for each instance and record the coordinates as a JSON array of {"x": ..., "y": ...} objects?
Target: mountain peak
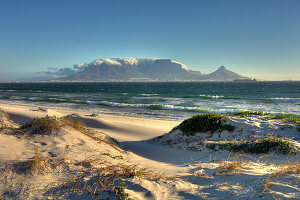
[
  {"x": 222, "y": 68},
  {"x": 223, "y": 74}
]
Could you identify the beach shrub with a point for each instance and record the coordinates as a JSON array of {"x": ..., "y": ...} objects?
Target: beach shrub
[
  {"x": 288, "y": 117},
  {"x": 208, "y": 122},
  {"x": 246, "y": 113},
  {"x": 120, "y": 194},
  {"x": 265, "y": 145}
]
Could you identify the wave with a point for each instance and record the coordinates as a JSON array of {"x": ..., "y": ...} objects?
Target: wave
[
  {"x": 92, "y": 102},
  {"x": 17, "y": 98},
  {"x": 149, "y": 95},
  {"x": 36, "y": 99},
  {"x": 152, "y": 106},
  {"x": 284, "y": 99},
  {"x": 214, "y": 96},
  {"x": 266, "y": 99}
]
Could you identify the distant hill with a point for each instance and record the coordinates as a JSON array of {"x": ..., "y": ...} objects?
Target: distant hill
[
  {"x": 223, "y": 74},
  {"x": 143, "y": 69}
]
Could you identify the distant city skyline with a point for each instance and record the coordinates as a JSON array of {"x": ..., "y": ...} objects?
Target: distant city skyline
[{"x": 257, "y": 38}]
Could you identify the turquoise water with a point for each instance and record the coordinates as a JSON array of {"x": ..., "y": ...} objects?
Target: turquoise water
[{"x": 158, "y": 100}]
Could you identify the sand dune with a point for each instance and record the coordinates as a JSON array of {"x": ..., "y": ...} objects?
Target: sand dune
[{"x": 170, "y": 173}]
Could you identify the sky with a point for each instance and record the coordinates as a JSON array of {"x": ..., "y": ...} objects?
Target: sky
[{"x": 256, "y": 38}]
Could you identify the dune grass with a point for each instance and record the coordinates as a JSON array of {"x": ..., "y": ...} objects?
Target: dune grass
[
  {"x": 266, "y": 183},
  {"x": 209, "y": 122},
  {"x": 3, "y": 114},
  {"x": 49, "y": 124},
  {"x": 82, "y": 178},
  {"x": 6, "y": 125},
  {"x": 109, "y": 179},
  {"x": 247, "y": 112},
  {"x": 3, "y": 117},
  {"x": 264, "y": 145},
  {"x": 38, "y": 164},
  {"x": 230, "y": 165},
  {"x": 290, "y": 168}
]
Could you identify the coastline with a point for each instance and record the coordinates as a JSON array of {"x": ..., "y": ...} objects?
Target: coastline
[
  {"x": 157, "y": 127},
  {"x": 149, "y": 170}
]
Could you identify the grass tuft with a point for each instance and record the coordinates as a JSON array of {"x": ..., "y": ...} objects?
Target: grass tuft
[
  {"x": 289, "y": 169},
  {"x": 257, "y": 146},
  {"x": 3, "y": 114},
  {"x": 49, "y": 124},
  {"x": 230, "y": 165},
  {"x": 5, "y": 123},
  {"x": 38, "y": 164},
  {"x": 266, "y": 183}
]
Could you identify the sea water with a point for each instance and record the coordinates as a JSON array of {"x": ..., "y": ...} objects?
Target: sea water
[{"x": 161, "y": 100}]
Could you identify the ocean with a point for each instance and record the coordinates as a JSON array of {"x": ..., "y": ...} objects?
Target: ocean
[{"x": 159, "y": 100}]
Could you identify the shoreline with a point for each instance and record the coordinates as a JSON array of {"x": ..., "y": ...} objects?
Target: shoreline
[
  {"x": 135, "y": 112},
  {"x": 65, "y": 162},
  {"x": 159, "y": 126}
]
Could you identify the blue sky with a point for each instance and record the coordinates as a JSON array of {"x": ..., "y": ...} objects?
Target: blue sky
[{"x": 259, "y": 38}]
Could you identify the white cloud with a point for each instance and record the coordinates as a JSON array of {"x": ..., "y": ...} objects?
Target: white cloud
[
  {"x": 182, "y": 65},
  {"x": 106, "y": 61},
  {"x": 80, "y": 65}
]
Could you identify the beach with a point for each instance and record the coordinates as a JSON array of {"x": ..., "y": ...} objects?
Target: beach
[
  {"x": 150, "y": 168},
  {"x": 149, "y": 100}
]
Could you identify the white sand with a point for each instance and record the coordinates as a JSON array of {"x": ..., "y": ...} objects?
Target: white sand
[{"x": 189, "y": 175}]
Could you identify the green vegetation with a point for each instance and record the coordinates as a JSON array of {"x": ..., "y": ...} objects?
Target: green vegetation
[
  {"x": 113, "y": 157},
  {"x": 290, "y": 120},
  {"x": 121, "y": 195},
  {"x": 209, "y": 122},
  {"x": 212, "y": 122},
  {"x": 288, "y": 117},
  {"x": 246, "y": 113},
  {"x": 265, "y": 145}
]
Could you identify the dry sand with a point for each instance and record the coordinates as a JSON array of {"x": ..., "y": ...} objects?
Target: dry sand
[{"x": 169, "y": 173}]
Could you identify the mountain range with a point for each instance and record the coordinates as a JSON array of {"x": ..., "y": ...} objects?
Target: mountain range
[{"x": 140, "y": 69}]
